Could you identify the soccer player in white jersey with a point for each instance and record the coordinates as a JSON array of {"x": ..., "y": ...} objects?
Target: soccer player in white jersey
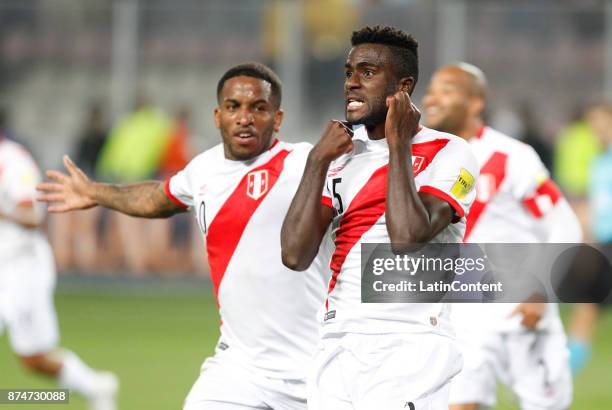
[
  {"x": 393, "y": 181},
  {"x": 239, "y": 191},
  {"x": 523, "y": 344},
  {"x": 27, "y": 282}
]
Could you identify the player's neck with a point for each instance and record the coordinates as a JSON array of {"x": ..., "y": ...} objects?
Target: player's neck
[
  {"x": 471, "y": 129},
  {"x": 377, "y": 132}
]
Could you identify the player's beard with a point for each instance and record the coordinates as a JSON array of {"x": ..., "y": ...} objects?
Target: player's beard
[{"x": 376, "y": 115}]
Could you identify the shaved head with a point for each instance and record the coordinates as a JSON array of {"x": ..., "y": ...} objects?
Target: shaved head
[{"x": 455, "y": 99}]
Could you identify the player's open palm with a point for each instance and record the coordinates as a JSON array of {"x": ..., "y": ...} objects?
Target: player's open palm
[
  {"x": 402, "y": 122},
  {"x": 335, "y": 141},
  {"x": 67, "y": 192}
]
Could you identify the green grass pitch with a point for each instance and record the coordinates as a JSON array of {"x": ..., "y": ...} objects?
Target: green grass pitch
[{"x": 156, "y": 343}]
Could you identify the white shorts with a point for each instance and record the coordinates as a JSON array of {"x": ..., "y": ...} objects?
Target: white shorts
[
  {"x": 534, "y": 365},
  {"x": 390, "y": 371},
  {"x": 27, "y": 283},
  {"x": 226, "y": 384}
]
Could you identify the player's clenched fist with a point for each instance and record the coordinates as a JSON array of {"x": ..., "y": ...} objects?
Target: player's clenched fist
[
  {"x": 67, "y": 192},
  {"x": 335, "y": 141},
  {"x": 402, "y": 122}
]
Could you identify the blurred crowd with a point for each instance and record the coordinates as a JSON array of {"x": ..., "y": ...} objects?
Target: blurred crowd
[{"x": 145, "y": 144}]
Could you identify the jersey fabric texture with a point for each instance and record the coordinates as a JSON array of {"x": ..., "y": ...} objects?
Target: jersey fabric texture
[
  {"x": 444, "y": 166},
  {"x": 268, "y": 312}
]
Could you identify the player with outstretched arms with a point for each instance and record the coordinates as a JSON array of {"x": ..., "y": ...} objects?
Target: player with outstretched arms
[
  {"x": 521, "y": 344},
  {"x": 391, "y": 181},
  {"x": 27, "y": 282},
  {"x": 239, "y": 191}
]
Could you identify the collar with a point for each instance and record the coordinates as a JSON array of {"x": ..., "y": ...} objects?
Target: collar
[{"x": 480, "y": 132}]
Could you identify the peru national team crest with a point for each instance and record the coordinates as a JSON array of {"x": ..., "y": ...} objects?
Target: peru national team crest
[
  {"x": 257, "y": 183},
  {"x": 417, "y": 163}
]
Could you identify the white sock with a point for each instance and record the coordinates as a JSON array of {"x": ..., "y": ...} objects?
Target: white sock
[{"x": 76, "y": 375}]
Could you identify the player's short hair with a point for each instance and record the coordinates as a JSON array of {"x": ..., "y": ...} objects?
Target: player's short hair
[
  {"x": 404, "y": 46},
  {"x": 255, "y": 70}
]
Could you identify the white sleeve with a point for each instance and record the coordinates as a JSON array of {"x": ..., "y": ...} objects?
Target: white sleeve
[
  {"x": 451, "y": 176},
  {"x": 179, "y": 187},
  {"x": 560, "y": 224}
]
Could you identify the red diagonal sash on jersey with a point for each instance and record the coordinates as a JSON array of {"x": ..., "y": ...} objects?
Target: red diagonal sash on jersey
[
  {"x": 365, "y": 209},
  {"x": 496, "y": 168},
  {"x": 230, "y": 222},
  {"x": 369, "y": 205}
]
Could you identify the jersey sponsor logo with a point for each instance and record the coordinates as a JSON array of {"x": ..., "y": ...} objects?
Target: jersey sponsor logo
[
  {"x": 329, "y": 315},
  {"x": 463, "y": 185},
  {"x": 417, "y": 163},
  {"x": 257, "y": 184}
]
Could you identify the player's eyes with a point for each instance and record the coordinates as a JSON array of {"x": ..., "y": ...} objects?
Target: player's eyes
[
  {"x": 348, "y": 74},
  {"x": 368, "y": 73}
]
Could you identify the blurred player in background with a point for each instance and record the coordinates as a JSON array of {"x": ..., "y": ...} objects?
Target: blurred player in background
[
  {"x": 27, "y": 282},
  {"x": 239, "y": 191},
  {"x": 584, "y": 317},
  {"x": 522, "y": 344},
  {"x": 395, "y": 355}
]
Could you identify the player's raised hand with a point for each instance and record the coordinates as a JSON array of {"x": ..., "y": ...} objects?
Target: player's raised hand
[
  {"x": 67, "y": 192},
  {"x": 335, "y": 141},
  {"x": 402, "y": 122},
  {"x": 531, "y": 313}
]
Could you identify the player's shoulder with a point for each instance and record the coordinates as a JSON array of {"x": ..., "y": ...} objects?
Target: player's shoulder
[
  {"x": 296, "y": 148},
  {"x": 13, "y": 151},
  {"x": 505, "y": 143},
  {"x": 442, "y": 143}
]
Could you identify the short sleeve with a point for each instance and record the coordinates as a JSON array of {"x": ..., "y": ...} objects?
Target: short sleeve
[
  {"x": 533, "y": 185},
  {"x": 179, "y": 188},
  {"x": 451, "y": 176},
  {"x": 20, "y": 180}
]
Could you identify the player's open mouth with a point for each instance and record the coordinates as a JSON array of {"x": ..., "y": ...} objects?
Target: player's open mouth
[
  {"x": 354, "y": 104},
  {"x": 245, "y": 137}
]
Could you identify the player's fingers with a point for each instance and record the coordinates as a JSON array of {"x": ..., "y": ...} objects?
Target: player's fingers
[
  {"x": 58, "y": 209},
  {"x": 70, "y": 166},
  {"x": 49, "y": 187},
  {"x": 57, "y": 176},
  {"x": 50, "y": 198}
]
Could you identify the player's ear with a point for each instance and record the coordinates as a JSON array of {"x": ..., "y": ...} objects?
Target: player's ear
[
  {"x": 278, "y": 119},
  {"x": 217, "y": 115},
  {"x": 477, "y": 106},
  {"x": 406, "y": 84}
]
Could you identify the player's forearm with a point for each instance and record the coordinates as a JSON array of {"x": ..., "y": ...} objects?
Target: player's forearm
[
  {"x": 145, "y": 199},
  {"x": 407, "y": 218},
  {"x": 305, "y": 224}
]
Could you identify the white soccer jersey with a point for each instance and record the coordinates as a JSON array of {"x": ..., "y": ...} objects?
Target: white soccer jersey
[
  {"x": 19, "y": 176},
  {"x": 268, "y": 312},
  {"x": 514, "y": 191},
  {"x": 356, "y": 186}
]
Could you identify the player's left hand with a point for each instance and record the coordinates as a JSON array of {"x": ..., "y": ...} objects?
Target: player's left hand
[
  {"x": 402, "y": 122},
  {"x": 531, "y": 313}
]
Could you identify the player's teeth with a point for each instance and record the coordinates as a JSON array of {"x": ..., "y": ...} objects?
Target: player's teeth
[{"x": 355, "y": 104}]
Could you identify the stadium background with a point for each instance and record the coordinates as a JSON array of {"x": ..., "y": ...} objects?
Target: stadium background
[{"x": 143, "y": 307}]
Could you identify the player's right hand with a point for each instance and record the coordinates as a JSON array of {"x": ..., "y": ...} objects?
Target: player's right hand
[
  {"x": 67, "y": 192},
  {"x": 335, "y": 141}
]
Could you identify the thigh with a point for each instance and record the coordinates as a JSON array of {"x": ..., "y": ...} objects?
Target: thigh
[
  {"x": 539, "y": 370},
  {"x": 224, "y": 385},
  {"x": 28, "y": 310},
  {"x": 476, "y": 383},
  {"x": 407, "y": 372}
]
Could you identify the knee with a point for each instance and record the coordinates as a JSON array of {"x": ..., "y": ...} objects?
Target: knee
[{"x": 40, "y": 363}]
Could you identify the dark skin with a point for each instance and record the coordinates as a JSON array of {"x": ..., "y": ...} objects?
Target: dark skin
[
  {"x": 247, "y": 117},
  {"x": 378, "y": 97}
]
